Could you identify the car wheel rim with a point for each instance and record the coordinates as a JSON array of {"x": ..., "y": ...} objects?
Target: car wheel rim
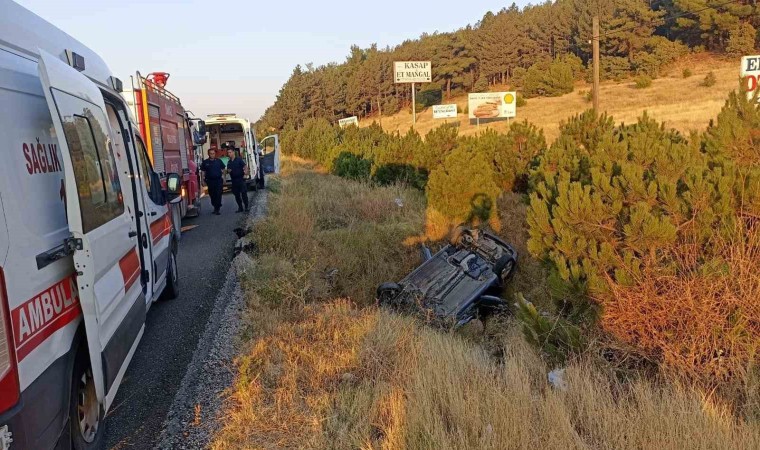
[{"x": 88, "y": 408}]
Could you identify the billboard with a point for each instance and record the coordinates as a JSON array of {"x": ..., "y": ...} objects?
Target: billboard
[
  {"x": 353, "y": 120},
  {"x": 444, "y": 111},
  {"x": 751, "y": 74},
  {"x": 412, "y": 72},
  {"x": 492, "y": 105}
]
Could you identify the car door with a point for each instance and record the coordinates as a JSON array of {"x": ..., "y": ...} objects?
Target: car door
[
  {"x": 104, "y": 240},
  {"x": 270, "y": 159}
]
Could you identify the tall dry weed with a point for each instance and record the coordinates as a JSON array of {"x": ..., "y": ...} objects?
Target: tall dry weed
[{"x": 702, "y": 318}]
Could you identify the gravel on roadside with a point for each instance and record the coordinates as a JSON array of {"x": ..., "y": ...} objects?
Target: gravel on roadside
[{"x": 194, "y": 415}]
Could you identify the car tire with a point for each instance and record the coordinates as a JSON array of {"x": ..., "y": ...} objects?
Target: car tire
[
  {"x": 171, "y": 291},
  {"x": 457, "y": 235},
  {"x": 86, "y": 415},
  {"x": 387, "y": 292},
  {"x": 505, "y": 268}
]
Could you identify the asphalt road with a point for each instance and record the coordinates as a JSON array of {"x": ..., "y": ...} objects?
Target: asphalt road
[{"x": 173, "y": 329}]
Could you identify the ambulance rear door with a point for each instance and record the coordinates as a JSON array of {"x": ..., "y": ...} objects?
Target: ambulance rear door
[
  {"x": 103, "y": 236},
  {"x": 270, "y": 154}
]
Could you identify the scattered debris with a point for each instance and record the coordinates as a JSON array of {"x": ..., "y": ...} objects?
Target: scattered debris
[
  {"x": 457, "y": 284},
  {"x": 197, "y": 419},
  {"x": 188, "y": 228},
  {"x": 241, "y": 232},
  {"x": 247, "y": 247},
  {"x": 348, "y": 377},
  {"x": 331, "y": 275},
  {"x": 557, "y": 379}
]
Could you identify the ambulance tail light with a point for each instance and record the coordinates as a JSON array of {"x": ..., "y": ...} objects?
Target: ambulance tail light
[{"x": 9, "y": 386}]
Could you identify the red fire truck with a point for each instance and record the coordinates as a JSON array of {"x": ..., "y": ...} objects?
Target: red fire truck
[{"x": 166, "y": 130}]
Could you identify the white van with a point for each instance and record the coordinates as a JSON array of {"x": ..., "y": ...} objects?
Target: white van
[
  {"x": 229, "y": 130},
  {"x": 86, "y": 239}
]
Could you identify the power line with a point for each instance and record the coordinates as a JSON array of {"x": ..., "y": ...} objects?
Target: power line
[{"x": 674, "y": 17}]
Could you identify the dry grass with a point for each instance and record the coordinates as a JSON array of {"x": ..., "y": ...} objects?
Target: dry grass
[
  {"x": 331, "y": 374},
  {"x": 679, "y": 102},
  {"x": 703, "y": 323}
]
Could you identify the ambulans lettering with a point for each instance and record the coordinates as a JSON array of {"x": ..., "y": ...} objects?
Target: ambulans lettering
[
  {"x": 44, "y": 314},
  {"x": 41, "y": 158}
]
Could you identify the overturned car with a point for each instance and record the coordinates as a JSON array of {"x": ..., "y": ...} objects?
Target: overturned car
[{"x": 459, "y": 283}]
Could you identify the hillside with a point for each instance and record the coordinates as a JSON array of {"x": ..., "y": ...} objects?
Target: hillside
[
  {"x": 542, "y": 48},
  {"x": 681, "y": 103}
]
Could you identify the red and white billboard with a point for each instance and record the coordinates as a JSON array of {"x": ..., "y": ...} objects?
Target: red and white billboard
[{"x": 751, "y": 74}]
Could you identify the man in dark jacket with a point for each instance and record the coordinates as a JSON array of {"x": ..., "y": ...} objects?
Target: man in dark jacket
[
  {"x": 213, "y": 171},
  {"x": 238, "y": 169}
]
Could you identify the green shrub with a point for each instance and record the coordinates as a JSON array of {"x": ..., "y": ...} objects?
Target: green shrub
[
  {"x": 481, "y": 85},
  {"x": 687, "y": 73},
  {"x": 643, "y": 81},
  {"x": 391, "y": 105},
  {"x": 463, "y": 187},
  {"x": 522, "y": 143},
  {"x": 709, "y": 80},
  {"x": 518, "y": 76},
  {"x": 549, "y": 79},
  {"x": 576, "y": 65},
  {"x": 399, "y": 149},
  {"x": 658, "y": 51},
  {"x": 439, "y": 142},
  {"x": 353, "y": 167},
  {"x": 554, "y": 336},
  {"x": 614, "y": 68},
  {"x": 587, "y": 95},
  {"x": 521, "y": 101},
  {"x": 401, "y": 173},
  {"x": 610, "y": 200},
  {"x": 733, "y": 143},
  {"x": 430, "y": 94},
  {"x": 313, "y": 141},
  {"x": 741, "y": 40}
]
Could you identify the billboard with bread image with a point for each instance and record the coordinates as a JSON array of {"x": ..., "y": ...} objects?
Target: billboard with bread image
[{"x": 492, "y": 105}]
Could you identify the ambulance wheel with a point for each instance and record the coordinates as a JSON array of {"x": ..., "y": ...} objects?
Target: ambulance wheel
[
  {"x": 171, "y": 291},
  {"x": 86, "y": 415}
]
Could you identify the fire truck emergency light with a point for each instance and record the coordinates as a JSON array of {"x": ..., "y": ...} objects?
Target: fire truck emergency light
[{"x": 159, "y": 78}]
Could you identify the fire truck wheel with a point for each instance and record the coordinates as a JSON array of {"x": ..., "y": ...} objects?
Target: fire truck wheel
[
  {"x": 86, "y": 417},
  {"x": 171, "y": 291}
]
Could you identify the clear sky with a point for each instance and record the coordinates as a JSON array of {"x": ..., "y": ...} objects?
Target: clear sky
[{"x": 234, "y": 55}]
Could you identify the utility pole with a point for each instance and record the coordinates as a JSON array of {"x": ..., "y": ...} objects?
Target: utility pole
[
  {"x": 414, "y": 105},
  {"x": 595, "y": 43}
]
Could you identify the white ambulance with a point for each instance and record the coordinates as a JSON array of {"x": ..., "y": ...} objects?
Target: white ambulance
[
  {"x": 86, "y": 239},
  {"x": 229, "y": 130}
]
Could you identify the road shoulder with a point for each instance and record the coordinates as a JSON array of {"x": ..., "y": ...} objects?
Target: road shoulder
[{"x": 193, "y": 416}]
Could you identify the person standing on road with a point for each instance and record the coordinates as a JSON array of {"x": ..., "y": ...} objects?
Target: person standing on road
[
  {"x": 212, "y": 171},
  {"x": 238, "y": 169}
]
